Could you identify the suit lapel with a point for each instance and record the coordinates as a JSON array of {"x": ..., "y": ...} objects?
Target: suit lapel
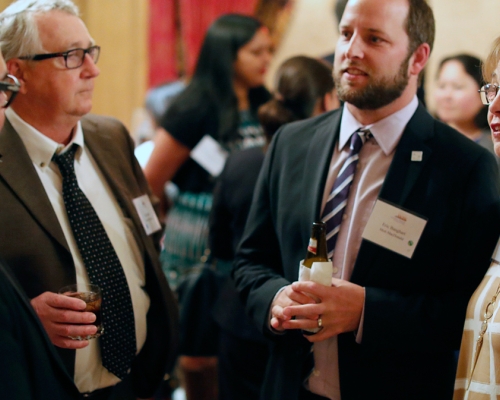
[
  {"x": 400, "y": 179},
  {"x": 404, "y": 172},
  {"x": 316, "y": 169},
  {"x": 17, "y": 170},
  {"x": 101, "y": 147}
]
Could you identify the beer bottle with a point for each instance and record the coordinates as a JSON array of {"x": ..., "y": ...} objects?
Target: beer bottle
[{"x": 316, "y": 251}]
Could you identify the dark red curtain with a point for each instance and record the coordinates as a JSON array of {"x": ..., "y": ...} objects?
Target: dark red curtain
[
  {"x": 196, "y": 17},
  {"x": 162, "y": 42},
  {"x": 177, "y": 29}
]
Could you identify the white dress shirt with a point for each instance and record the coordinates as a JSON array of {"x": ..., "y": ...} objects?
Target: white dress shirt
[
  {"x": 375, "y": 158},
  {"x": 89, "y": 372}
]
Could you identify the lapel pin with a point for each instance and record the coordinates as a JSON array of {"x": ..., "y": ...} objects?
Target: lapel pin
[{"x": 416, "y": 155}]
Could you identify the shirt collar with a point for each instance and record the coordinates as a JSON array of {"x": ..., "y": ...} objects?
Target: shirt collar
[
  {"x": 40, "y": 148},
  {"x": 387, "y": 131}
]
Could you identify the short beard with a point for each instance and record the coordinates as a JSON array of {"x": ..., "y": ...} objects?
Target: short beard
[{"x": 378, "y": 93}]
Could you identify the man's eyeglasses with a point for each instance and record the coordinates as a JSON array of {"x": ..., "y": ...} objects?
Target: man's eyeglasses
[
  {"x": 8, "y": 90},
  {"x": 488, "y": 93},
  {"x": 72, "y": 58}
]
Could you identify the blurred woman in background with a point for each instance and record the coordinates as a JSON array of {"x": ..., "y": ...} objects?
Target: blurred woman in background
[
  {"x": 304, "y": 88},
  {"x": 215, "y": 115},
  {"x": 457, "y": 102}
]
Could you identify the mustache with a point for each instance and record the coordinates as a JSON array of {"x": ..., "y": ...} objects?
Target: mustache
[{"x": 350, "y": 64}]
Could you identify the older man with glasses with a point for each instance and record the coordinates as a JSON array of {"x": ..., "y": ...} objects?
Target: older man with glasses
[
  {"x": 76, "y": 209},
  {"x": 30, "y": 367}
]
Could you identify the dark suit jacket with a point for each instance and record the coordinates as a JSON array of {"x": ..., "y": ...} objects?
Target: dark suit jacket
[
  {"x": 30, "y": 366},
  {"x": 414, "y": 309},
  {"x": 231, "y": 203},
  {"x": 243, "y": 350},
  {"x": 33, "y": 243}
]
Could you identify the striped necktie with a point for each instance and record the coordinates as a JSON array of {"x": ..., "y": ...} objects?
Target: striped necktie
[
  {"x": 337, "y": 200},
  {"x": 118, "y": 344}
]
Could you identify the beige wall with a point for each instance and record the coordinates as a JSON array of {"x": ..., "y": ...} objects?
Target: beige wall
[
  {"x": 120, "y": 28},
  {"x": 312, "y": 31}
]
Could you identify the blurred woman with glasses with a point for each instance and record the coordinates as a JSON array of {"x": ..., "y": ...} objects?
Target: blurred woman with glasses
[
  {"x": 215, "y": 115},
  {"x": 459, "y": 78},
  {"x": 478, "y": 373}
]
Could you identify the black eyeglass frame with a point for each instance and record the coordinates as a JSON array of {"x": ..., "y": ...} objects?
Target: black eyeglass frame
[
  {"x": 11, "y": 87},
  {"x": 483, "y": 91},
  {"x": 65, "y": 55}
]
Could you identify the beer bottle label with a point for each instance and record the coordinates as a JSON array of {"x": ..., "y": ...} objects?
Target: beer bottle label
[{"x": 313, "y": 246}]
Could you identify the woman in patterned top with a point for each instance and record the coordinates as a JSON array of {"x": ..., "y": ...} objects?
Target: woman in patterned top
[{"x": 478, "y": 374}]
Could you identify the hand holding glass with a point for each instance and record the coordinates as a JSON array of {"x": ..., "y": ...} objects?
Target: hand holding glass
[{"x": 91, "y": 295}]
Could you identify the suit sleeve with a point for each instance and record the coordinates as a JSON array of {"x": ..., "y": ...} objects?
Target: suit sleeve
[
  {"x": 15, "y": 381},
  {"x": 433, "y": 320},
  {"x": 154, "y": 359},
  {"x": 258, "y": 270}
]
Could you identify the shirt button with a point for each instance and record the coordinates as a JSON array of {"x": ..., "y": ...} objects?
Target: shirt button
[
  {"x": 344, "y": 217},
  {"x": 316, "y": 372},
  {"x": 335, "y": 270},
  {"x": 42, "y": 164}
]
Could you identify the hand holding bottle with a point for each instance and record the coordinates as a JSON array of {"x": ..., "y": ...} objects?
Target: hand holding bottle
[
  {"x": 316, "y": 266},
  {"x": 340, "y": 308},
  {"x": 285, "y": 299}
]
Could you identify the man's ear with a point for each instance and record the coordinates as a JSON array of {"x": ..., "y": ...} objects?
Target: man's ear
[
  {"x": 419, "y": 59},
  {"x": 17, "y": 68}
]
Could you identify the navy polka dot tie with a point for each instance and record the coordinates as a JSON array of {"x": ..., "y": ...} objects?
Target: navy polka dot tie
[{"x": 118, "y": 345}]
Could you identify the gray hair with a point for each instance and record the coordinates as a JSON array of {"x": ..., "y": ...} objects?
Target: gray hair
[{"x": 18, "y": 28}]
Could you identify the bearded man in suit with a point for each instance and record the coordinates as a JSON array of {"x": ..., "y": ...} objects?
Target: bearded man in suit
[
  {"x": 419, "y": 225},
  {"x": 50, "y": 51}
]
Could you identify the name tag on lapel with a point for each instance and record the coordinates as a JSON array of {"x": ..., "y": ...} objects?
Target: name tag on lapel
[
  {"x": 147, "y": 214},
  {"x": 393, "y": 228}
]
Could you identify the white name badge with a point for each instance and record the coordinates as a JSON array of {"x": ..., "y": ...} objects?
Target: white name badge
[
  {"x": 394, "y": 229},
  {"x": 147, "y": 214},
  {"x": 210, "y": 155}
]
